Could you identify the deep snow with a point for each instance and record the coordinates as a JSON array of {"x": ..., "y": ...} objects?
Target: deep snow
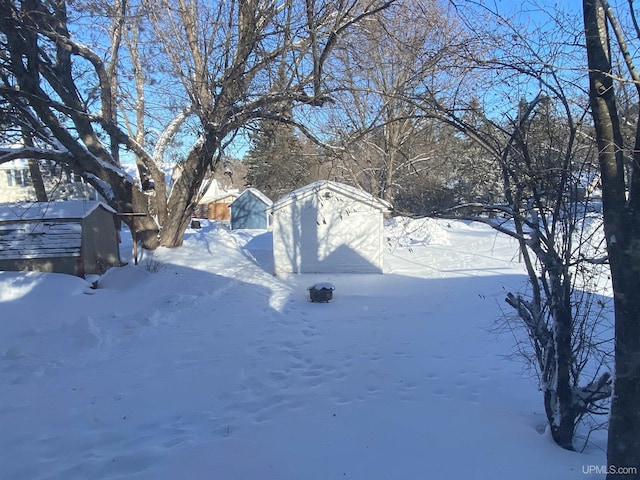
[{"x": 200, "y": 364}]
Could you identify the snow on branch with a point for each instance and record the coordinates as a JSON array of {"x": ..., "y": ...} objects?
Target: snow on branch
[
  {"x": 9, "y": 154},
  {"x": 595, "y": 391}
]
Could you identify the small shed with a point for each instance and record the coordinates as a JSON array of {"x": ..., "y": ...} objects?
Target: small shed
[
  {"x": 74, "y": 237},
  {"x": 218, "y": 208},
  {"x": 328, "y": 227},
  {"x": 251, "y": 210}
]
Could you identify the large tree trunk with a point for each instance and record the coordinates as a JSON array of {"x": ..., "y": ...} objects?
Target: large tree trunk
[
  {"x": 624, "y": 423},
  {"x": 145, "y": 226},
  {"x": 36, "y": 179},
  {"x": 622, "y": 227},
  {"x": 185, "y": 191},
  {"x": 34, "y": 169}
]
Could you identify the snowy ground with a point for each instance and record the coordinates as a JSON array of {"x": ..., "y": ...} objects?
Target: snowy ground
[{"x": 200, "y": 364}]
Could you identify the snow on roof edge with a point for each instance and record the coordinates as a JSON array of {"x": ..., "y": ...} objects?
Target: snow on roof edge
[
  {"x": 29, "y": 211},
  {"x": 222, "y": 196},
  {"x": 337, "y": 186},
  {"x": 266, "y": 200}
]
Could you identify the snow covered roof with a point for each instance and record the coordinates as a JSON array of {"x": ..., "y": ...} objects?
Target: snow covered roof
[
  {"x": 30, "y": 211},
  {"x": 258, "y": 194},
  {"x": 337, "y": 187},
  {"x": 223, "y": 196},
  {"x": 214, "y": 191}
]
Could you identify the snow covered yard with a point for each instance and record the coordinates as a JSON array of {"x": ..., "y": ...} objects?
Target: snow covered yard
[{"x": 200, "y": 364}]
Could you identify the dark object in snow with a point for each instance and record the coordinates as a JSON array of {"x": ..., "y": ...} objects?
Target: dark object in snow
[
  {"x": 195, "y": 224},
  {"x": 321, "y": 292}
]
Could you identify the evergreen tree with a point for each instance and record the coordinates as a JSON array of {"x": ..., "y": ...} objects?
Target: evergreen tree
[{"x": 276, "y": 162}]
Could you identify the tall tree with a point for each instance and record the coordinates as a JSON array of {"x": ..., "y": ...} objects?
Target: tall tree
[
  {"x": 216, "y": 61},
  {"x": 541, "y": 153},
  {"x": 621, "y": 202},
  {"x": 381, "y": 64},
  {"x": 34, "y": 171},
  {"x": 276, "y": 162}
]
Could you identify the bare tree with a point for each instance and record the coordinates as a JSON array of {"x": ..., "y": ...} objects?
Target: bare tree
[
  {"x": 34, "y": 171},
  {"x": 543, "y": 152},
  {"x": 550, "y": 221},
  {"x": 384, "y": 140},
  {"x": 222, "y": 58}
]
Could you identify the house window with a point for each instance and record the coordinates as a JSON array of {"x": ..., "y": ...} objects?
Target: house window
[{"x": 18, "y": 178}]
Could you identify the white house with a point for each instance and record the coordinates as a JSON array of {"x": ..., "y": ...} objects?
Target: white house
[
  {"x": 15, "y": 181},
  {"x": 328, "y": 227},
  {"x": 60, "y": 183}
]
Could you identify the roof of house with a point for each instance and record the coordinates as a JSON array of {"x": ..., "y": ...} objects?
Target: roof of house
[
  {"x": 340, "y": 188},
  {"x": 222, "y": 196},
  {"x": 34, "y": 211},
  {"x": 17, "y": 164},
  {"x": 212, "y": 192},
  {"x": 258, "y": 194}
]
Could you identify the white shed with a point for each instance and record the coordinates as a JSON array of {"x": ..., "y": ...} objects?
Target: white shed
[{"x": 328, "y": 227}]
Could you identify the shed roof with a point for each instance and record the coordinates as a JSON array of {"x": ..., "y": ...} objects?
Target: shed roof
[
  {"x": 340, "y": 188},
  {"x": 222, "y": 196},
  {"x": 34, "y": 211},
  {"x": 258, "y": 194},
  {"x": 44, "y": 230}
]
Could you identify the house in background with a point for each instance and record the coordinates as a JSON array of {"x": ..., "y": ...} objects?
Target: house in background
[
  {"x": 218, "y": 208},
  {"x": 213, "y": 191},
  {"x": 60, "y": 183},
  {"x": 74, "y": 237},
  {"x": 251, "y": 210},
  {"x": 328, "y": 227},
  {"x": 214, "y": 203}
]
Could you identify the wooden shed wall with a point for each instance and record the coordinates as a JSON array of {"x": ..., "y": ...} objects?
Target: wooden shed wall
[
  {"x": 100, "y": 248},
  {"x": 72, "y": 246},
  {"x": 48, "y": 246},
  {"x": 218, "y": 211}
]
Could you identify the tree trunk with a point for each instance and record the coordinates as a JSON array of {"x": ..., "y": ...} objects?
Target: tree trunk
[
  {"x": 34, "y": 169},
  {"x": 36, "y": 179},
  {"x": 558, "y": 402},
  {"x": 185, "y": 190},
  {"x": 623, "y": 449},
  {"x": 622, "y": 226},
  {"x": 145, "y": 227}
]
